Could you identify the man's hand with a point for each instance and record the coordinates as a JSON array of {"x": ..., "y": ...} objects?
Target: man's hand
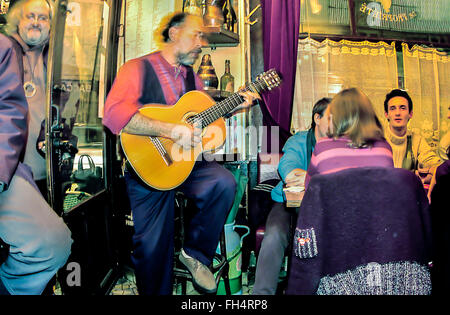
[
  {"x": 249, "y": 97},
  {"x": 187, "y": 136},
  {"x": 296, "y": 177}
]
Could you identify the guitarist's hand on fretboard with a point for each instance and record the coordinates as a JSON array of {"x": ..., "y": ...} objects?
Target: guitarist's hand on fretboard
[
  {"x": 186, "y": 136},
  {"x": 159, "y": 163},
  {"x": 249, "y": 97}
]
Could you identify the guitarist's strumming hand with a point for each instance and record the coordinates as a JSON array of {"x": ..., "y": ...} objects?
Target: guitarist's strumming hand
[{"x": 187, "y": 136}]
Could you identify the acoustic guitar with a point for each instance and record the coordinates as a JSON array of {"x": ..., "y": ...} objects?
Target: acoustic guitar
[{"x": 163, "y": 164}]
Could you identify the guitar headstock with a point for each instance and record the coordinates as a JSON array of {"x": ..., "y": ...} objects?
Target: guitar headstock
[{"x": 271, "y": 78}]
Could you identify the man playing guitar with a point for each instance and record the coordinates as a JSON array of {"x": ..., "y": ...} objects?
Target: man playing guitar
[{"x": 163, "y": 77}]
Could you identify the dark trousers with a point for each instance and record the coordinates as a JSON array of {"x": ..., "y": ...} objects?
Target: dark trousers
[
  {"x": 212, "y": 188},
  {"x": 273, "y": 247}
]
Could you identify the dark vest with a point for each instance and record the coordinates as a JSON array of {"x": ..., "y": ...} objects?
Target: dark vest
[{"x": 153, "y": 93}]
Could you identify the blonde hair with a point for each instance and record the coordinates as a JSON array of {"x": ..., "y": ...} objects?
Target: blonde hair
[
  {"x": 353, "y": 116},
  {"x": 15, "y": 14}
]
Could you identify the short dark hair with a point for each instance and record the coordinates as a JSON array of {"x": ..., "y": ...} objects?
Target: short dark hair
[
  {"x": 319, "y": 108},
  {"x": 398, "y": 92},
  {"x": 176, "y": 20}
]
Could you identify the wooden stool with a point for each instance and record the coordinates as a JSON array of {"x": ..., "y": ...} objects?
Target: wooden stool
[{"x": 181, "y": 274}]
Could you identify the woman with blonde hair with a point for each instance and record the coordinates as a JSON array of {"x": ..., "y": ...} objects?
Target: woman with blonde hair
[
  {"x": 355, "y": 137},
  {"x": 352, "y": 219}
]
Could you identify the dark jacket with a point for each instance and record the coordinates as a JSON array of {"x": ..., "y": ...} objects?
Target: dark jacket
[
  {"x": 440, "y": 216},
  {"x": 355, "y": 220},
  {"x": 13, "y": 114}
]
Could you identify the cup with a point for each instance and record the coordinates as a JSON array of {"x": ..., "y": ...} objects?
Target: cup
[{"x": 293, "y": 196}]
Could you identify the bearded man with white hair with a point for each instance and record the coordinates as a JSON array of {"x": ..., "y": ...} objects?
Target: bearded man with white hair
[{"x": 28, "y": 26}]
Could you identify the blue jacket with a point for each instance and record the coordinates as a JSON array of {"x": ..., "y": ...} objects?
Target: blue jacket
[
  {"x": 295, "y": 155},
  {"x": 13, "y": 115}
]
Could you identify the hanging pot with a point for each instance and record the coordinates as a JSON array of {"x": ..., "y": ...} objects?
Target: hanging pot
[{"x": 213, "y": 16}]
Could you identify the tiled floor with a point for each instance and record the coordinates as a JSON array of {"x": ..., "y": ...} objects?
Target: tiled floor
[{"x": 127, "y": 285}]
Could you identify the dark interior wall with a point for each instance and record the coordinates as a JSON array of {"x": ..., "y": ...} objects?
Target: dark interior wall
[
  {"x": 257, "y": 67},
  {"x": 256, "y": 41}
]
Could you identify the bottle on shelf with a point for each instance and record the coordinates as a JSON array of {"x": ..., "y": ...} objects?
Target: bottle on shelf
[
  {"x": 229, "y": 16},
  {"x": 207, "y": 73},
  {"x": 227, "y": 80}
]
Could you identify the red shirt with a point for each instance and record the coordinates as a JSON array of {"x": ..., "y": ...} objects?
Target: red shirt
[{"x": 123, "y": 102}]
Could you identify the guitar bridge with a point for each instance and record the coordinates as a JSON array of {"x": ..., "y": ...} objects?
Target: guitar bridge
[{"x": 162, "y": 151}]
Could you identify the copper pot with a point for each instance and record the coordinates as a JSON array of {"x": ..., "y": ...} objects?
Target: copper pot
[{"x": 213, "y": 13}]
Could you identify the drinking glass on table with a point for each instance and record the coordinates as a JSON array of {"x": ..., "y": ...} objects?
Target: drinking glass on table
[{"x": 294, "y": 188}]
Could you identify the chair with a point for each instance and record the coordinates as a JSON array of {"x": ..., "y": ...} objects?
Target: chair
[
  {"x": 181, "y": 274},
  {"x": 362, "y": 231},
  {"x": 268, "y": 178}
]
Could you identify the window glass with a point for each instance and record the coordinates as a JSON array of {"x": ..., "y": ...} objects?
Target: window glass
[{"x": 80, "y": 99}]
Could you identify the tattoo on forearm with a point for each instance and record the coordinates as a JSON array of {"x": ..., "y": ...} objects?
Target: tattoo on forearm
[{"x": 141, "y": 125}]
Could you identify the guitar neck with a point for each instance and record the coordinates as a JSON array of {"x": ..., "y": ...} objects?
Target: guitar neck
[{"x": 224, "y": 107}]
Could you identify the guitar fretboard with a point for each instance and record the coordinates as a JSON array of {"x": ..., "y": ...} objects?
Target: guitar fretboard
[{"x": 222, "y": 108}]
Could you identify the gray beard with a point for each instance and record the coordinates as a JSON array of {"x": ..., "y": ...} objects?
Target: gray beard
[
  {"x": 186, "y": 59},
  {"x": 34, "y": 42}
]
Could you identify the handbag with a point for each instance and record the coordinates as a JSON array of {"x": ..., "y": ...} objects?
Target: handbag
[
  {"x": 84, "y": 183},
  {"x": 74, "y": 197},
  {"x": 88, "y": 179}
]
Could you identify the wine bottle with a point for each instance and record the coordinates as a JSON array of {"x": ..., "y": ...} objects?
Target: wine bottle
[{"x": 227, "y": 80}]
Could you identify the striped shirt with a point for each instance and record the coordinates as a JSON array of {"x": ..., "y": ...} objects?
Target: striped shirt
[{"x": 333, "y": 155}]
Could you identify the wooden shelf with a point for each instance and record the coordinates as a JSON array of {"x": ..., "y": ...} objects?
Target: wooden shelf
[
  {"x": 217, "y": 95},
  {"x": 221, "y": 37}
]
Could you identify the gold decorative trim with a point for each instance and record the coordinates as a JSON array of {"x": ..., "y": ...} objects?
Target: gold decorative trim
[
  {"x": 349, "y": 47},
  {"x": 427, "y": 53}
]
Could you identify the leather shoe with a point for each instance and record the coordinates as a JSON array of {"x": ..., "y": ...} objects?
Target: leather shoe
[{"x": 202, "y": 277}]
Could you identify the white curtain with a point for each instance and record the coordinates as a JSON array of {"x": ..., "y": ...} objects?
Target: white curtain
[
  {"x": 325, "y": 68},
  {"x": 427, "y": 80}
]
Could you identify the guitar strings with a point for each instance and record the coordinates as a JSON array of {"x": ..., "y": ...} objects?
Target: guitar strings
[
  {"x": 158, "y": 145},
  {"x": 212, "y": 114},
  {"x": 220, "y": 109}
]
